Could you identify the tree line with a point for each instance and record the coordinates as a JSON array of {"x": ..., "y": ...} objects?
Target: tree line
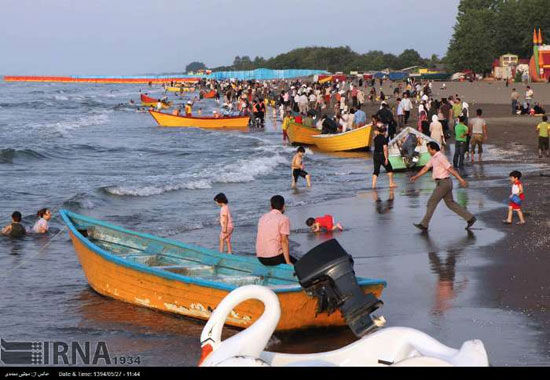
[
  {"x": 487, "y": 29},
  {"x": 333, "y": 59}
]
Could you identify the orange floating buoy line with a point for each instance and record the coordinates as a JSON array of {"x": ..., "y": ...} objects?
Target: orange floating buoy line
[{"x": 99, "y": 79}]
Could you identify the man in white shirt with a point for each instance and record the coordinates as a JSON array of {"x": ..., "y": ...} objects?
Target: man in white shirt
[
  {"x": 302, "y": 103},
  {"x": 400, "y": 113},
  {"x": 407, "y": 106},
  {"x": 529, "y": 95}
]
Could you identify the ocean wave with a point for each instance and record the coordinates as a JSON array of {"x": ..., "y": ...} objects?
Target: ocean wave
[
  {"x": 80, "y": 201},
  {"x": 147, "y": 191},
  {"x": 8, "y": 155},
  {"x": 241, "y": 171},
  {"x": 63, "y": 128}
]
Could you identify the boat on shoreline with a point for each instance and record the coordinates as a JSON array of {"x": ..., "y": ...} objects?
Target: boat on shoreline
[
  {"x": 355, "y": 139},
  {"x": 210, "y": 94},
  {"x": 184, "y": 279},
  {"x": 169, "y": 120},
  {"x": 403, "y": 157},
  {"x": 301, "y": 135}
]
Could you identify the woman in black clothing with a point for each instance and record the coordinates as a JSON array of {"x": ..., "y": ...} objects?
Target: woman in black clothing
[{"x": 380, "y": 156}]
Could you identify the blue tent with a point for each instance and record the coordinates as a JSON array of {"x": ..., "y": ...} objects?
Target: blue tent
[{"x": 264, "y": 74}]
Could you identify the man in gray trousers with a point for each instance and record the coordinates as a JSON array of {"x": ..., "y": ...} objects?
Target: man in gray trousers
[{"x": 444, "y": 187}]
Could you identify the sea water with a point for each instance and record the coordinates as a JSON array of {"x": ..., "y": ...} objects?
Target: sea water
[{"x": 83, "y": 147}]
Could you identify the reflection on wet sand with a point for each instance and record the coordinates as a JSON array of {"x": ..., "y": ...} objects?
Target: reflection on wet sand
[
  {"x": 446, "y": 291},
  {"x": 383, "y": 207}
]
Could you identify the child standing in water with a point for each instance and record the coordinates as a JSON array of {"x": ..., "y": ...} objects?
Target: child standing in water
[
  {"x": 298, "y": 167},
  {"x": 516, "y": 198},
  {"x": 226, "y": 222},
  {"x": 41, "y": 225},
  {"x": 326, "y": 222}
]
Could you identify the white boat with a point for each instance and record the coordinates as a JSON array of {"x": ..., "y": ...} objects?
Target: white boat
[
  {"x": 393, "y": 346},
  {"x": 401, "y": 161}
]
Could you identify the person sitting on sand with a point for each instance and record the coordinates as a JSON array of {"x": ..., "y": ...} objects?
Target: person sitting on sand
[
  {"x": 41, "y": 225},
  {"x": 326, "y": 222},
  {"x": 272, "y": 246},
  {"x": 298, "y": 167},
  {"x": 538, "y": 110},
  {"x": 15, "y": 229},
  {"x": 516, "y": 198}
]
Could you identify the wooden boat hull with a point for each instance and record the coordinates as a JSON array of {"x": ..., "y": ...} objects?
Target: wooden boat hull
[
  {"x": 299, "y": 134},
  {"x": 359, "y": 138},
  {"x": 167, "y": 120},
  {"x": 142, "y": 285}
]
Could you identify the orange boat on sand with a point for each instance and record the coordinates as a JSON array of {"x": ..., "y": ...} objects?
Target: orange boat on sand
[{"x": 184, "y": 279}]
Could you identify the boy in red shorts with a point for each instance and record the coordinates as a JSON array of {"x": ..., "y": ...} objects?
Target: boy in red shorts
[
  {"x": 516, "y": 198},
  {"x": 326, "y": 222}
]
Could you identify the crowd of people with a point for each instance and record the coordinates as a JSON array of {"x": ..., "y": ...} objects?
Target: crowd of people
[{"x": 336, "y": 107}]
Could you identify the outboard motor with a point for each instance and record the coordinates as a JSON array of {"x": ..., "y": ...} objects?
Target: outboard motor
[
  {"x": 326, "y": 272},
  {"x": 408, "y": 151}
]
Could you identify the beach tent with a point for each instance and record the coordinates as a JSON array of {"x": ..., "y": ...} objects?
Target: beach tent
[{"x": 264, "y": 74}]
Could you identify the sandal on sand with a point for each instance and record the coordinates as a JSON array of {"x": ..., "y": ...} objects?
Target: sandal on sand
[
  {"x": 520, "y": 223},
  {"x": 506, "y": 222}
]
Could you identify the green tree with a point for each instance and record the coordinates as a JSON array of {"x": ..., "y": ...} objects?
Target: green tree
[
  {"x": 471, "y": 45},
  {"x": 194, "y": 66}
]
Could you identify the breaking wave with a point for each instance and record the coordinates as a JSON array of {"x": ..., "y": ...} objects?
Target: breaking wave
[
  {"x": 239, "y": 172},
  {"x": 8, "y": 155}
]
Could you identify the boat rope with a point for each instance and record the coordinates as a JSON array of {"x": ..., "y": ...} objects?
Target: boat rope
[{"x": 7, "y": 274}]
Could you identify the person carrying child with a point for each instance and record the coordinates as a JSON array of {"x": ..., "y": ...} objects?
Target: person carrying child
[
  {"x": 326, "y": 222},
  {"x": 516, "y": 198},
  {"x": 226, "y": 222}
]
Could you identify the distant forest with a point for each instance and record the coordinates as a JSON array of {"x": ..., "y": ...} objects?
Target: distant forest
[
  {"x": 487, "y": 29},
  {"x": 333, "y": 59},
  {"x": 484, "y": 30}
]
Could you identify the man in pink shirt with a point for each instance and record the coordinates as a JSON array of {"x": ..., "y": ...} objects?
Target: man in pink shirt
[
  {"x": 444, "y": 187},
  {"x": 272, "y": 238}
]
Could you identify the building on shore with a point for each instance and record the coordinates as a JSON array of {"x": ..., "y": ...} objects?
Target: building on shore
[{"x": 540, "y": 61}]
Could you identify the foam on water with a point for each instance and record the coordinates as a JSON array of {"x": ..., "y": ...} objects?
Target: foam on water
[{"x": 241, "y": 171}]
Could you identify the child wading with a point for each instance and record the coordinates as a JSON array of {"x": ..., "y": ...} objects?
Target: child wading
[
  {"x": 226, "y": 222},
  {"x": 298, "y": 167},
  {"x": 516, "y": 198},
  {"x": 326, "y": 222}
]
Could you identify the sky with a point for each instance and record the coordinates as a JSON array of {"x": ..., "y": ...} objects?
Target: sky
[{"x": 128, "y": 37}]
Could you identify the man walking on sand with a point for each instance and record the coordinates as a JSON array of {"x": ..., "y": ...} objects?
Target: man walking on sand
[
  {"x": 444, "y": 187},
  {"x": 515, "y": 98},
  {"x": 478, "y": 130}
]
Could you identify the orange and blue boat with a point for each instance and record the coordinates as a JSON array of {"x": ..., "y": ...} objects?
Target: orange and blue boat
[{"x": 188, "y": 280}]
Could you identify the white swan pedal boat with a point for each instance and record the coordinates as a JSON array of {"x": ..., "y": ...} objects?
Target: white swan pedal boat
[{"x": 392, "y": 346}]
